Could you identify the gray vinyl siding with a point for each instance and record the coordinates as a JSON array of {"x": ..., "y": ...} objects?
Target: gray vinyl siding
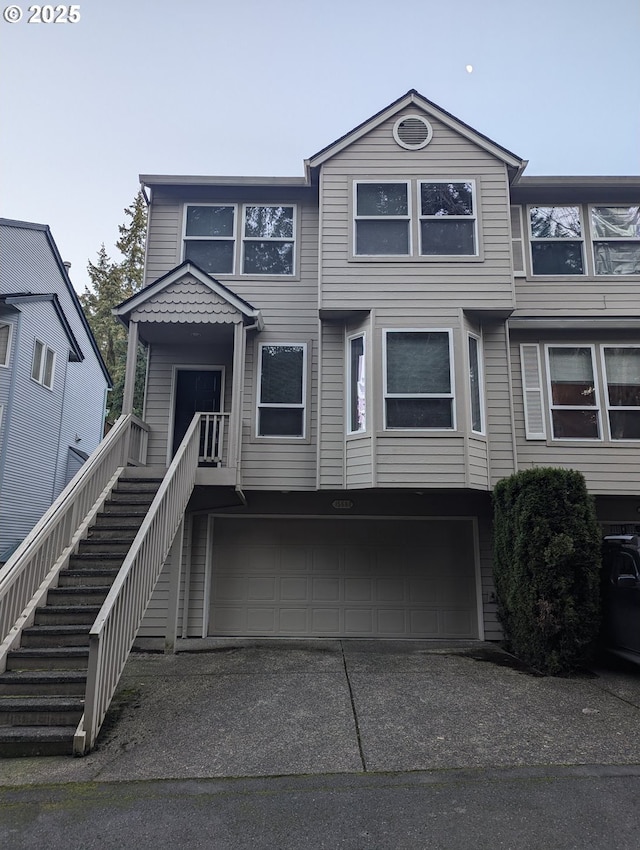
[
  {"x": 359, "y": 465},
  {"x": 331, "y": 465},
  {"x": 477, "y": 463},
  {"x": 417, "y": 282},
  {"x": 610, "y": 467},
  {"x": 498, "y": 401},
  {"x": 164, "y": 237}
]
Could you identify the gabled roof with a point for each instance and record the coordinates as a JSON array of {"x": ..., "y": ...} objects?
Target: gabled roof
[
  {"x": 414, "y": 98},
  {"x": 44, "y": 228},
  {"x": 249, "y": 313},
  {"x": 76, "y": 354}
]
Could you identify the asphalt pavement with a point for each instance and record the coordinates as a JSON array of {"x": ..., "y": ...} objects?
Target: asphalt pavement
[{"x": 355, "y": 744}]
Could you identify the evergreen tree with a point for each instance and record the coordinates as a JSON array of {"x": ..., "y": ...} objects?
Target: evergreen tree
[{"x": 111, "y": 283}]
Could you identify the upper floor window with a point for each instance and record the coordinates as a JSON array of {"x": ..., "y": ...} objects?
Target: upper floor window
[
  {"x": 475, "y": 385},
  {"x": 418, "y": 382},
  {"x": 281, "y": 390},
  {"x": 356, "y": 385},
  {"x": 382, "y": 219},
  {"x": 445, "y": 224},
  {"x": 43, "y": 363},
  {"x": 5, "y": 343},
  {"x": 556, "y": 240},
  {"x": 573, "y": 393},
  {"x": 447, "y": 218},
  {"x": 622, "y": 377},
  {"x": 266, "y": 246},
  {"x": 210, "y": 238},
  {"x": 268, "y": 240},
  {"x": 616, "y": 239}
]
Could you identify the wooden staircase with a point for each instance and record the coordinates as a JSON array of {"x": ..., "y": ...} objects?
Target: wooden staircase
[{"x": 42, "y": 690}]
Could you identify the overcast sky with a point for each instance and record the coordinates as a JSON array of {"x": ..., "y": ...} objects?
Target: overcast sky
[{"x": 253, "y": 87}]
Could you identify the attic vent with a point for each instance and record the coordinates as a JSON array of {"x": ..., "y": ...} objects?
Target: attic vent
[{"x": 412, "y": 132}]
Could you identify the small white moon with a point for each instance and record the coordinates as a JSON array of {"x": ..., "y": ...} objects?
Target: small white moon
[{"x": 469, "y": 68}]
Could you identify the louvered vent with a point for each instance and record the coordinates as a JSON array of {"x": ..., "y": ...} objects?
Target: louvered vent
[{"x": 412, "y": 132}]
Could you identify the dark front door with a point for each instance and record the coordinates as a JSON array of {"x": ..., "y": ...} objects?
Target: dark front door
[{"x": 197, "y": 390}]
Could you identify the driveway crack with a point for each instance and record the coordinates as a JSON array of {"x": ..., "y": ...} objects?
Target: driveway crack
[{"x": 353, "y": 709}]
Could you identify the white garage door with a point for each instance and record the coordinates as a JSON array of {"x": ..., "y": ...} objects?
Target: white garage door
[{"x": 343, "y": 578}]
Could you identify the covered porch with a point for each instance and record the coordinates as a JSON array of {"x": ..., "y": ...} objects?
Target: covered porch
[{"x": 195, "y": 331}]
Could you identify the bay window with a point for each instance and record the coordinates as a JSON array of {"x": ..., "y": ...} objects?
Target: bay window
[
  {"x": 418, "y": 379},
  {"x": 356, "y": 387}
]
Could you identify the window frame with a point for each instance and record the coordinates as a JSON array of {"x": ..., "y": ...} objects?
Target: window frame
[
  {"x": 422, "y": 217},
  {"x": 293, "y": 240},
  {"x": 605, "y": 381},
  {"x": 481, "y": 401},
  {"x": 547, "y": 240},
  {"x": 408, "y": 218},
  {"x": 452, "y": 377},
  {"x": 597, "y": 408},
  {"x": 350, "y": 386},
  {"x": 606, "y": 239},
  {"x": 233, "y": 238},
  {"x": 47, "y": 355},
  {"x": 7, "y": 356},
  {"x": 302, "y": 405}
]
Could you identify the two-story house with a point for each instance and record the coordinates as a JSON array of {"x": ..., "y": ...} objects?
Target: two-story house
[
  {"x": 340, "y": 368},
  {"x": 53, "y": 381}
]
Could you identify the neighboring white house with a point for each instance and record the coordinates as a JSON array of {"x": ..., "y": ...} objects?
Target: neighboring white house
[{"x": 53, "y": 381}]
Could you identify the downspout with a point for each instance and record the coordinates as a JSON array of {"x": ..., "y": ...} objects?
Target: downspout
[{"x": 512, "y": 419}]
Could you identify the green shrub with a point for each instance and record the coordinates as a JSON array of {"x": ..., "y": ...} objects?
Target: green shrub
[{"x": 547, "y": 568}]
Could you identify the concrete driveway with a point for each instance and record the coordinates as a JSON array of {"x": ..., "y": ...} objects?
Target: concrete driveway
[{"x": 264, "y": 708}]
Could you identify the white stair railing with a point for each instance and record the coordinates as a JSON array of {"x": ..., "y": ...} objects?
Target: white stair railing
[
  {"x": 114, "y": 631},
  {"x": 212, "y": 438},
  {"x": 32, "y": 562}
]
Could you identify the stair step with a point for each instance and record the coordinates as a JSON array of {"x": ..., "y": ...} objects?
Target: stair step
[
  {"x": 40, "y": 711},
  {"x": 87, "y": 577},
  {"x": 122, "y": 521},
  {"x": 130, "y": 498},
  {"x": 95, "y": 546},
  {"x": 79, "y": 594},
  {"x": 41, "y": 636},
  {"x": 113, "y": 534},
  {"x": 48, "y": 658},
  {"x": 66, "y": 615},
  {"x": 16, "y": 741},
  {"x": 130, "y": 509},
  {"x": 95, "y": 561},
  {"x": 43, "y": 682}
]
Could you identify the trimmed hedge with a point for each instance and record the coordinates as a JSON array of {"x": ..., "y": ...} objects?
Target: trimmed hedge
[{"x": 547, "y": 568}]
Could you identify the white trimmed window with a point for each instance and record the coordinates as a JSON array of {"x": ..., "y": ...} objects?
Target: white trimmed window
[
  {"x": 615, "y": 232},
  {"x": 268, "y": 240},
  {"x": 573, "y": 392},
  {"x": 476, "y": 385},
  {"x": 43, "y": 364},
  {"x": 621, "y": 368},
  {"x": 281, "y": 390},
  {"x": 5, "y": 343},
  {"x": 556, "y": 240},
  {"x": 209, "y": 239},
  {"x": 448, "y": 218},
  {"x": 382, "y": 219},
  {"x": 418, "y": 379},
  {"x": 356, "y": 384}
]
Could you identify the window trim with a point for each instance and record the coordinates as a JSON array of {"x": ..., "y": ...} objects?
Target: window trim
[
  {"x": 452, "y": 376},
  {"x": 7, "y": 356},
  {"x": 479, "y": 351},
  {"x": 297, "y": 406},
  {"x": 596, "y": 387},
  {"x": 41, "y": 370},
  {"x": 349, "y": 383},
  {"x": 604, "y": 239},
  {"x": 408, "y": 217},
  {"x": 421, "y": 217},
  {"x": 605, "y": 380},
  {"x": 233, "y": 238},
  {"x": 546, "y": 240},
  {"x": 293, "y": 240}
]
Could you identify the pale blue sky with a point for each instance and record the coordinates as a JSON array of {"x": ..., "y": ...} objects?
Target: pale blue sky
[{"x": 253, "y": 88}]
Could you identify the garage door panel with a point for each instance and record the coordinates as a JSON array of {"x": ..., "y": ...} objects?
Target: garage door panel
[{"x": 355, "y": 578}]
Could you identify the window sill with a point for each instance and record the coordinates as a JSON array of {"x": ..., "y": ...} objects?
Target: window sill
[
  {"x": 423, "y": 432},
  {"x": 403, "y": 258}
]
